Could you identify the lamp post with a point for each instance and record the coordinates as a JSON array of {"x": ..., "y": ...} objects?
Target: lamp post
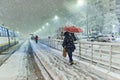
[
  {"x": 87, "y": 26},
  {"x": 87, "y": 23}
]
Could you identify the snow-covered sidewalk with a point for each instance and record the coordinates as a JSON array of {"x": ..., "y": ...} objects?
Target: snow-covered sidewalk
[
  {"x": 15, "y": 67},
  {"x": 58, "y": 66}
]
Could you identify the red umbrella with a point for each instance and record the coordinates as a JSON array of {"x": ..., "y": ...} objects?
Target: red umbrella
[{"x": 73, "y": 29}]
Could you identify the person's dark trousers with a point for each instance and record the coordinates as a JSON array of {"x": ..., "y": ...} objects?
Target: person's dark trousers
[
  {"x": 36, "y": 41},
  {"x": 70, "y": 55}
]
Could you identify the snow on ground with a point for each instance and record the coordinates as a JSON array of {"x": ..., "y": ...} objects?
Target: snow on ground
[
  {"x": 57, "y": 65},
  {"x": 15, "y": 67},
  {"x": 62, "y": 70}
]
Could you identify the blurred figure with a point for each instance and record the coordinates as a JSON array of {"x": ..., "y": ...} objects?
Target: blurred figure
[
  {"x": 36, "y": 39},
  {"x": 49, "y": 37},
  {"x": 32, "y": 37},
  {"x": 68, "y": 44}
]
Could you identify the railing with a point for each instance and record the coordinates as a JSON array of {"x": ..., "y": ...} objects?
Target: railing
[{"x": 99, "y": 53}]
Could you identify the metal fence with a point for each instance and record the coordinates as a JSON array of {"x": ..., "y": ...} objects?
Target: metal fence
[{"x": 98, "y": 53}]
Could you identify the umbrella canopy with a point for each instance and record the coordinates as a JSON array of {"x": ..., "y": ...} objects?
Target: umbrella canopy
[{"x": 73, "y": 29}]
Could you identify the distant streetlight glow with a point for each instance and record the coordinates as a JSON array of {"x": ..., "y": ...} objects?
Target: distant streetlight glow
[
  {"x": 80, "y": 3},
  {"x": 77, "y": 6},
  {"x": 56, "y": 17},
  {"x": 39, "y": 29},
  {"x": 47, "y": 24},
  {"x": 43, "y": 27},
  {"x": 113, "y": 28}
]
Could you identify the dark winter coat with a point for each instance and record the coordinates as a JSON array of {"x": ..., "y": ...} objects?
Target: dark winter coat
[
  {"x": 68, "y": 42},
  {"x": 72, "y": 34},
  {"x": 36, "y": 37}
]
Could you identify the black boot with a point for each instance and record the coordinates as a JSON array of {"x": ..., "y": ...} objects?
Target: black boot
[{"x": 71, "y": 62}]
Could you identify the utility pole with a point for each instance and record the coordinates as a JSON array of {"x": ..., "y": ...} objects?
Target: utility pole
[
  {"x": 87, "y": 20},
  {"x": 87, "y": 25}
]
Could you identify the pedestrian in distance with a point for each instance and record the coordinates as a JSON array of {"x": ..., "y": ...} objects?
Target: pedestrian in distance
[
  {"x": 36, "y": 39},
  {"x": 68, "y": 44}
]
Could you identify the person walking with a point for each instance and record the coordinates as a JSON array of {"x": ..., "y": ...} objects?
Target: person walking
[
  {"x": 74, "y": 37},
  {"x": 68, "y": 44},
  {"x": 36, "y": 39}
]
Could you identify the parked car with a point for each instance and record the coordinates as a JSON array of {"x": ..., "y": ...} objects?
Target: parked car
[
  {"x": 105, "y": 38},
  {"x": 92, "y": 38}
]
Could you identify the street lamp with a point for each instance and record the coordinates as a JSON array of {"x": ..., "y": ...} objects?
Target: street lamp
[
  {"x": 56, "y": 17},
  {"x": 87, "y": 19},
  {"x": 87, "y": 23},
  {"x": 47, "y": 24},
  {"x": 80, "y": 3},
  {"x": 43, "y": 27}
]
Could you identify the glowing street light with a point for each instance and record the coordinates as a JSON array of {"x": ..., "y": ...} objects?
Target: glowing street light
[
  {"x": 56, "y": 17},
  {"x": 47, "y": 24},
  {"x": 43, "y": 27},
  {"x": 80, "y": 3},
  {"x": 39, "y": 29}
]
